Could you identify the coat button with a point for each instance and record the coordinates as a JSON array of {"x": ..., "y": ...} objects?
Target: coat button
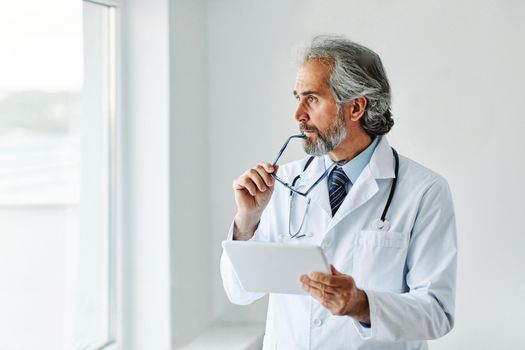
[{"x": 318, "y": 322}]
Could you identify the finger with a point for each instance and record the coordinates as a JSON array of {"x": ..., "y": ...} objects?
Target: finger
[
  {"x": 323, "y": 296},
  {"x": 324, "y": 287},
  {"x": 304, "y": 279},
  {"x": 305, "y": 283},
  {"x": 269, "y": 168},
  {"x": 268, "y": 180},
  {"x": 315, "y": 293},
  {"x": 334, "y": 281},
  {"x": 329, "y": 301},
  {"x": 245, "y": 183},
  {"x": 334, "y": 270},
  {"x": 254, "y": 175},
  {"x": 327, "y": 304},
  {"x": 309, "y": 283},
  {"x": 334, "y": 307}
]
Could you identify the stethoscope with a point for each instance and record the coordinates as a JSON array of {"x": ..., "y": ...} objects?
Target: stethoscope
[{"x": 381, "y": 224}]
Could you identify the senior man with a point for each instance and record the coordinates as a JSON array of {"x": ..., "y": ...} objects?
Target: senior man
[{"x": 393, "y": 276}]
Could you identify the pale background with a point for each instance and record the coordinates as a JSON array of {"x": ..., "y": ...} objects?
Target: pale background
[
  {"x": 205, "y": 92},
  {"x": 457, "y": 79}
]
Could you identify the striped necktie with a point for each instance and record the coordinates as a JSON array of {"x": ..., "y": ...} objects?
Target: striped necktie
[{"x": 337, "y": 188}]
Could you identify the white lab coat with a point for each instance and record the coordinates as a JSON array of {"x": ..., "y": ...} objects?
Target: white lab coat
[{"x": 408, "y": 273}]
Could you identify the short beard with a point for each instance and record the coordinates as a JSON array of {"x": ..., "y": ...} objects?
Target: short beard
[{"x": 326, "y": 141}]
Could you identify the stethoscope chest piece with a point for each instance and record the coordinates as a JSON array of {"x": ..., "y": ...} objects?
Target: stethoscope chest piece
[{"x": 382, "y": 225}]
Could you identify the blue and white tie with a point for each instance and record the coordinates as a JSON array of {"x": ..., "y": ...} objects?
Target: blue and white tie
[{"x": 337, "y": 188}]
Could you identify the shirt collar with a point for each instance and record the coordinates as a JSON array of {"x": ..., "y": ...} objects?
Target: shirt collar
[{"x": 354, "y": 167}]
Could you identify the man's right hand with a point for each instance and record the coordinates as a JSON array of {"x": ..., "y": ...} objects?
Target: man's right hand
[{"x": 252, "y": 191}]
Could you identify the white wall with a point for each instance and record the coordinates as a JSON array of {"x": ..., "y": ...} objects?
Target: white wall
[
  {"x": 190, "y": 171},
  {"x": 457, "y": 77},
  {"x": 145, "y": 297},
  {"x": 164, "y": 244}
]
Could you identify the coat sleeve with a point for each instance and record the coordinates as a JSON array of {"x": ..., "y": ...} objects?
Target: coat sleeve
[
  {"x": 232, "y": 285},
  {"x": 426, "y": 311}
]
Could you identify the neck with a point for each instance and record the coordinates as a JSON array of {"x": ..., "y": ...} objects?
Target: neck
[{"x": 350, "y": 147}]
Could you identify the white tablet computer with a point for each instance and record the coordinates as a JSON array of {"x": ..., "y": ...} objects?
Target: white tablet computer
[{"x": 274, "y": 267}]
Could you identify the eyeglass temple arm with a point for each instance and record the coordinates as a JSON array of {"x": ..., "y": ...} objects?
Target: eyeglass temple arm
[
  {"x": 325, "y": 174},
  {"x": 301, "y": 136}
]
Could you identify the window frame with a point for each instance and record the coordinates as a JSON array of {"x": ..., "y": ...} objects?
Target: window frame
[{"x": 114, "y": 204}]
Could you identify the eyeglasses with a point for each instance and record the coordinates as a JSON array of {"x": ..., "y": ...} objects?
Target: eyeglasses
[{"x": 286, "y": 184}]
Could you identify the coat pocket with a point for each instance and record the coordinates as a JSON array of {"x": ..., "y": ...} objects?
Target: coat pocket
[{"x": 379, "y": 260}]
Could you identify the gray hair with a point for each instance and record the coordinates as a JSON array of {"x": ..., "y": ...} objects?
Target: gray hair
[{"x": 355, "y": 71}]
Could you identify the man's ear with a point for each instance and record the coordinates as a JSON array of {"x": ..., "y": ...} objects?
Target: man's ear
[{"x": 355, "y": 109}]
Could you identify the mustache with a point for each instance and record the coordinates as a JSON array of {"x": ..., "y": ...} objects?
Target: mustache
[{"x": 303, "y": 127}]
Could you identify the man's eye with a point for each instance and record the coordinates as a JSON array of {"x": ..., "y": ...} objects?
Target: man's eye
[{"x": 312, "y": 99}]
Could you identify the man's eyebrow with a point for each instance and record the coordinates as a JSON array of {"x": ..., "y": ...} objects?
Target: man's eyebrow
[{"x": 306, "y": 93}]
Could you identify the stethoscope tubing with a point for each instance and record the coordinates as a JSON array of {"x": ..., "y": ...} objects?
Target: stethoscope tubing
[
  {"x": 393, "y": 188},
  {"x": 383, "y": 215}
]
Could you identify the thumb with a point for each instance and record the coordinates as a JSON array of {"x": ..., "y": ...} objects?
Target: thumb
[{"x": 334, "y": 270}]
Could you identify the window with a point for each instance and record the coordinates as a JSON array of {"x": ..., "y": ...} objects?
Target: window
[{"x": 57, "y": 187}]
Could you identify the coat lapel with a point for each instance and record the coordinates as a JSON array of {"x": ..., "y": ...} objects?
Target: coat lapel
[
  {"x": 364, "y": 188},
  {"x": 381, "y": 166}
]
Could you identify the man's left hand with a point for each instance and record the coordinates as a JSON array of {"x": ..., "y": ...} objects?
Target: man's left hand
[{"x": 338, "y": 293}]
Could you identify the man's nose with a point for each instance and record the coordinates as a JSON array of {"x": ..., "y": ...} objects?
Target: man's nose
[{"x": 300, "y": 113}]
